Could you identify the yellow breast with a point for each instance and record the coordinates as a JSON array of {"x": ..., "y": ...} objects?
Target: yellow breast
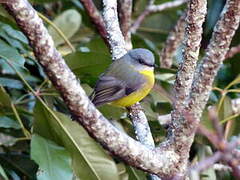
[{"x": 139, "y": 94}]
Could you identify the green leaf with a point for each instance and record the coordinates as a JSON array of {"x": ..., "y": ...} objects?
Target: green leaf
[
  {"x": 53, "y": 160},
  {"x": 90, "y": 161},
  {"x": 18, "y": 35},
  {"x": 68, "y": 22},
  {"x": 6, "y": 140},
  {"x": 18, "y": 163},
  {"x": 6, "y": 122},
  {"x": 11, "y": 83},
  {"x": 2, "y": 173},
  {"x": 11, "y": 41},
  {"x": 151, "y": 115},
  {"x": 159, "y": 96},
  {"x": 12, "y": 54},
  {"x": 97, "y": 45},
  {"x": 166, "y": 77},
  {"x": 88, "y": 66},
  {"x": 111, "y": 112},
  {"x": 4, "y": 98},
  {"x": 123, "y": 175},
  {"x": 226, "y": 109},
  {"x": 135, "y": 174}
]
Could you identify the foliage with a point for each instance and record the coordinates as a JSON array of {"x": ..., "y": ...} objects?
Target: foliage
[{"x": 38, "y": 138}]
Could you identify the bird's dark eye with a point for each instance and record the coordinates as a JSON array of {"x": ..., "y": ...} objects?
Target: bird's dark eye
[{"x": 141, "y": 61}]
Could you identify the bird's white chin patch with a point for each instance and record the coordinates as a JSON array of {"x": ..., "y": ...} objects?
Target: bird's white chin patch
[{"x": 147, "y": 68}]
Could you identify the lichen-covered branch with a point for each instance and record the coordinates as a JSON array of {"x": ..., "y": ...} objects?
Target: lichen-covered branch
[
  {"x": 183, "y": 124},
  {"x": 215, "y": 54},
  {"x": 173, "y": 41},
  {"x": 154, "y": 9},
  {"x": 183, "y": 121},
  {"x": 142, "y": 129},
  {"x": 197, "y": 10},
  {"x": 161, "y": 161},
  {"x": 136, "y": 114},
  {"x": 183, "y": 128},
  {"x": 125, "y": 13},
  {"x": 141, "y": 126},
  {"x": 96, "y": 19},
  {"x": 115, "y": 36}
]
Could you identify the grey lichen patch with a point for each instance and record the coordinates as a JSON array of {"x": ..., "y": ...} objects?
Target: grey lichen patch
[
  {"x": 195, "y": 18},
  {"x": 116, "y": 39},
  {"x": 174, "y": 39}
]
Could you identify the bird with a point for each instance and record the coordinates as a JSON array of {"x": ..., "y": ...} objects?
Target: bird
[{"x": 127, "y": 80}]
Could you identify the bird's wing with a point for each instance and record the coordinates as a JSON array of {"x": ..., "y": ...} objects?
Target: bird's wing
[
  {"x": 115, "y": 84},
  {"x": 108, "y": 89}
]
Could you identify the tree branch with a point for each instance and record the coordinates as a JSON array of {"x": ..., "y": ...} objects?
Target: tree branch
[
  {"x": 125, "y": 13},
  {"x": 115, "y": 36},
  {"x": 197, "y": 10},
  {"x": 96, "y": 19},
  {"x": 154, "y": 9},
  {"x": 139, "y": 119},
  {"x": 184, "y": 123},
  {"x": 184, "y": 127},
  {"x": 173, "y": 41},
  {"x": 208, "y": 162},
  {"x": 214, "y": 56}
]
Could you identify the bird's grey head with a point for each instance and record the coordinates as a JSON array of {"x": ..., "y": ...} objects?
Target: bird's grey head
[{"x": 142, "y": 56}]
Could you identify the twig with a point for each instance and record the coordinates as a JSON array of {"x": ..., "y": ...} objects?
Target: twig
[
  {"x": 173, "y": 41},
  {"x": 153, "y": 9},
  {"x": 212, "y": 137},
  {"x": 115, "y": 37},
  {"x": 125, "y": 13},
  {"x": 232, "y": 52},
  {"x": 226, "y": 154},
  {"x": 221, "y": 167},
  {"x": 212, "y": 112},
  {"x": 208, "y": 162},
  {"x": 96, "y": 19},
  {"x": 26, "y": 133}
]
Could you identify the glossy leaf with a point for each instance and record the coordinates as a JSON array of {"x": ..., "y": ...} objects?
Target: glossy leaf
[
  {"x": 6, "y": 122},
  {"x": 88, "y": 66},
  {"x": 53, "y": 160},
  {"x": 2, "y": 173},
  {"x": 68, "y": 22},
  {"x": 4, "y": 98},
  {"x": 12, "y": 54},
  {"x": 11, "y": 83},
  {"x": 90, "y": 161}
]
